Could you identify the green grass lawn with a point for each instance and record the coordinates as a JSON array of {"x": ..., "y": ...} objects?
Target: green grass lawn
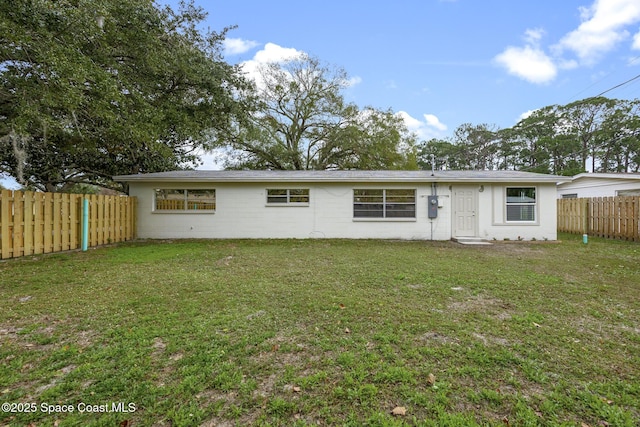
[{"x": 323, "y": 332}]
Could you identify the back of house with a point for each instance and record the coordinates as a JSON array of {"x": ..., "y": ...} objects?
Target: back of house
[{"x": 412, "y": 205}]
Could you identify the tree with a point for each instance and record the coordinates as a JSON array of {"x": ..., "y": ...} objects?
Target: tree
[
  {"x": 304, "y": 123},
  {"x": 471, "y": 147},
  {"x": 438, "y": 154},
  {"x": 620, "y": 132},
  {"x": 93, "y": 88},
  {"x": 507, "y": 150},
  {"x": 544, "y": 144},
  {"x": 557, "y": 139},
  {"x": 476, "y": 146},
  {"x": 584, "y": 120}
]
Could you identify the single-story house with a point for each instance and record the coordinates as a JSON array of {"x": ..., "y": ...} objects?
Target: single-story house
[
  {"x": 413, "y": 205},
  {"x": 600, "y": 185}
]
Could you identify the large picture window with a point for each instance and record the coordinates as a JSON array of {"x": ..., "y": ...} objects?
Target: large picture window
[
  {"x": 521, "y": 204},
  {"x": 286, "y": 196},
  {"x": 384, "y": 203},
  {"x": 185, "y": 200}
]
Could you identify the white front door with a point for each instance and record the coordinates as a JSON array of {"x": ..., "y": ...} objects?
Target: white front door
[{"x": 464, "y": 211}]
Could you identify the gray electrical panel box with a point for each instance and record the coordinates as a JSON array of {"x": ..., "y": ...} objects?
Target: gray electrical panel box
[{"x": 432, "y": 208}]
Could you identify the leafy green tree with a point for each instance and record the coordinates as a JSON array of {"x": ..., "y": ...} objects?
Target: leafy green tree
[
  {"x": 471, "y": 147},
  {"x": 543, "y": 144},
  {"x": 438, "y": 154},
  {"x": 304, "y": 123},
  {"x": 93, "y": 88},
  {"x": 584, "y": 120},
  {"x": 476, "y": 146},
  {"x": 557, "y": 139},
  {"x": 508, "y": 150},
  {"x": 621, "y": 138}
]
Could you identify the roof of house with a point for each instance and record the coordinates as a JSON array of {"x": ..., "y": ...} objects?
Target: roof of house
[
  {"x": 341, "y": 176},
  {"x": 611, "y": 176}
]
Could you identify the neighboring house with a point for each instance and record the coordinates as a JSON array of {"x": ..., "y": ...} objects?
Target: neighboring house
[
  {"x": 600, "y": 185},
  {"x": 415, "y": 205}
]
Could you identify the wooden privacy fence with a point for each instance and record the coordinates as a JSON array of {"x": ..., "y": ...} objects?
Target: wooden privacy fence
[
  {"x": 609, "y": 217},
  {"x": 35, "y": 223}
]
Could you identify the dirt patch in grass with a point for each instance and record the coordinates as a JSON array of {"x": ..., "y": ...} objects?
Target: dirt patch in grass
[
  {"x": 158, "y": 347},
  {"x": 483, "y": 304},
  {"x": 435, "y": 338},
  {"x": 490, "y": 340},
  {"x": 45, "y": 334}
]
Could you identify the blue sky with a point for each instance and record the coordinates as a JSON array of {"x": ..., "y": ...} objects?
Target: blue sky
[{"x": 442, "y": 63}]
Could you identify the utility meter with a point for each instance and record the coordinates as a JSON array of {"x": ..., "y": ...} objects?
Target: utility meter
[{"x": 432, "y": 210}]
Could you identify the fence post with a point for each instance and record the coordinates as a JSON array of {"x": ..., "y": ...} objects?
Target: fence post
[
  {"x": 85, "y": 224},
  {"x": 585, "y": 215},
  {"x": 6, "y": 217}
]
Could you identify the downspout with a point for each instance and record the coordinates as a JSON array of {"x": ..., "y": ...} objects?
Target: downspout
[{"x": 434, "y": 190}]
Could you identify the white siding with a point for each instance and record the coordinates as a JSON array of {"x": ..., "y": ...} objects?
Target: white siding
[{"x": 598, "y": 187}]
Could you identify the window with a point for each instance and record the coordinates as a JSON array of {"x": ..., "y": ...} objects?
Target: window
[
  {"x": 570, "y": 196},
  {"x": 384, "y": 203},
  {"x": 521, "y": 204},
  {"x": 628, "y": 192},
  {"x": 288, "y": 196},
  {"x": 185, "y": 200}
]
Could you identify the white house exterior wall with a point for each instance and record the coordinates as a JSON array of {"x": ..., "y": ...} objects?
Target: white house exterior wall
[
  {"x": 493, "y": 215},
  {"x": 242, "y": 212},
  {"x": 598, "y": 187}
]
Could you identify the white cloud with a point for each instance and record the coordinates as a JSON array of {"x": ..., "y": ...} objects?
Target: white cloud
[
  {"x": 434, "y": 122},
  {"x": 525, "y": 115},
  {"x": 529, "y": 63},
  {"x": 274, "y": 53},
  {"x": 411, "y": 123},
  {"x": 533, "y": 36},
  {"x": 353, "y": 81},
  {"x": 271, "y": 53},
  {"x": 603, "y": 27},
  {"x": 567, "y": 64},
  {"x": 636, "y": 41},
  {"x": 238, "y": 46},
  {"x": 430, "y": 128}
]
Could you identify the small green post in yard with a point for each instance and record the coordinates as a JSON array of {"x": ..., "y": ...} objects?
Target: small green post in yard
[{"x": 85, "y": 224}]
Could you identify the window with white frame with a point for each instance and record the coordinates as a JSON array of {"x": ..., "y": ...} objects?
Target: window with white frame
[
  {"x": 170, "y": 199},
  {"x": 288, "y": 196},
  {"x": 521, "y": 204},
  {"x": 384, "y": 203}
]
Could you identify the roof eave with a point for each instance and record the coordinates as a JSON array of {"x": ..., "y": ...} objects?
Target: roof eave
[{"x": 430, "y": 179}]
